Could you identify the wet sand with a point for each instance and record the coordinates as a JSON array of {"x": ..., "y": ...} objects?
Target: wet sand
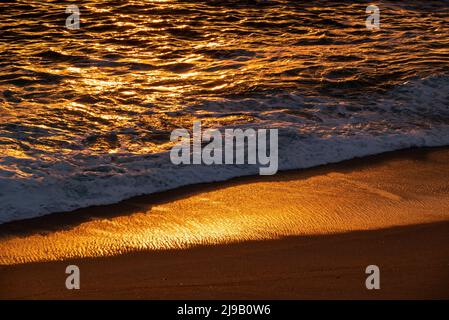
[{"x": 300, "y": 234}]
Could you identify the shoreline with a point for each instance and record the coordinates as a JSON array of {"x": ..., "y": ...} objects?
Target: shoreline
[
  {"x": 301, "y": 234},
  {"x": 125, "y": 206}
]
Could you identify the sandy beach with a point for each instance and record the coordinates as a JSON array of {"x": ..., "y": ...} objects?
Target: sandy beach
[{"x": 298, "y": 235}]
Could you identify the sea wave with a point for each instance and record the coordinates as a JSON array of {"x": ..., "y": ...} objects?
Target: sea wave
[{"x": 312, "y": 131}]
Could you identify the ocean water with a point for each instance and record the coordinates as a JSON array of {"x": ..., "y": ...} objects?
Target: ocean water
[{"x": 86, "y": 115}]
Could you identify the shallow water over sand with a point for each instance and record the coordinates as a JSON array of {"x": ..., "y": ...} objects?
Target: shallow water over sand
[{"x": 406, "y": 189}]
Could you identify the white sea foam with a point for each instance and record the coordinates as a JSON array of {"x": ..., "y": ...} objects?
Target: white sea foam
[{"x": 415, "y": 114}]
